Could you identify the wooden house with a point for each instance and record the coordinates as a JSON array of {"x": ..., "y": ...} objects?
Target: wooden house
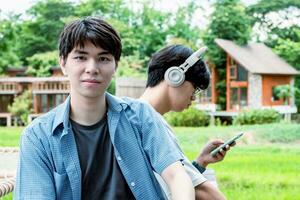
[
  {"x": 253, "y": 72},
  {"x": 47, "y": 92}
]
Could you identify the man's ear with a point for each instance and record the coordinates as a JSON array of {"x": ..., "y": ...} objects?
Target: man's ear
[{"x": 62, "y": 64}]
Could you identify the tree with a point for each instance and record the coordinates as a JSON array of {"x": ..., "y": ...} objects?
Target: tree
[
  {"x": 40, "y": 33},
  {"x": 289, "y": 50},
  {"x": 145, "y": 30},
  {"x": 40, "y": 64},
  {"x": 228, "y": 21},
  {"x": 7, "y": 37},
  {"x": 263, "y": 14}
]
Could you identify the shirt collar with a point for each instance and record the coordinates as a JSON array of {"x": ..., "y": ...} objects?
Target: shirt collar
[
  {"x": 62, "y": 114},
  {"x": 115, "y": 104}
]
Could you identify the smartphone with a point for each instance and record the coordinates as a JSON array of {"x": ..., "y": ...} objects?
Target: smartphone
[{"x": 228, "y": 142}]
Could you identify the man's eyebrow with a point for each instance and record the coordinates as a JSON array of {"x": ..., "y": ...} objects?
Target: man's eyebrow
[
  {"x": 103, "y": 53},
  {"x": 84, "y": 52},
  {"x": 80, "y": 51}
]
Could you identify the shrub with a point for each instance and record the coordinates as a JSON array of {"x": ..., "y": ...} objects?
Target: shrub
[
  {"x": 189, "y": 117},
  {"x": 22, "y": 106},
  {"x": 257, "y": 116}
]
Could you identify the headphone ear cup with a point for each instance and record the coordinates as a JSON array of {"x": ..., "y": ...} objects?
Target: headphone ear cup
[{"x": 174, "y": 76}]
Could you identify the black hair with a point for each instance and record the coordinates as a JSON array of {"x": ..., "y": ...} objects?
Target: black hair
[
  {"x": 175, "y": 55},
  {"x": 92, "y": 29}
]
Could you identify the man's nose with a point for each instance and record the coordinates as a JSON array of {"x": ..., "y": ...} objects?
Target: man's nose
[{"x": 92, "y": 67}]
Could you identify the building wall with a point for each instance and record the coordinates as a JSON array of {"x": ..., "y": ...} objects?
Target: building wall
[
  {"x": 270, "y": 81},
  {"x": 254, "y": 90}
]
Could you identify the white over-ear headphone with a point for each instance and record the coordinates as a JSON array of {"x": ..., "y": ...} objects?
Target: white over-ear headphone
[{"x": 175, "y": 75}]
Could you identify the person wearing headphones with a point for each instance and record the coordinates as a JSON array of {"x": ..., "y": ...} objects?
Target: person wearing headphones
[{"x": 175, "y": 75}]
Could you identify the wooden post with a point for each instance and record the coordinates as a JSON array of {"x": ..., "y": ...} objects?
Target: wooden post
[{"x": 8, "y": 120}]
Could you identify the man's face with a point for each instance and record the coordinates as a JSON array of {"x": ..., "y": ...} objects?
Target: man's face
[
  {"x": 89, "y": 70},
  {"x": 181, "y": 97}
]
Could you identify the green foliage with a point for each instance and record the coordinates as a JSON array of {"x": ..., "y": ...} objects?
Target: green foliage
[
  {"x": 182, "y": 32},
  {"x": 297, "y": 94},
  {"x": 263, "y": 7},
  {"x": 40, "y": 64},
  {"x": 283, "y": 92},
  {"x": 40, "y": 33},
  {"x": 257, "y": 116},
  {"x": 289, "y": 50},
  {"x": 189, "y": 117},
  {"x": 112, "y": 87},
  {"x": 147, "y": 29},
  {"x": 143, "y": 31},
  {"x": 7, "y": 35},
  {"x": 228, "y": 21},
  {"x": 132, "y": 66},
  {"x": 22, "y": 106}
]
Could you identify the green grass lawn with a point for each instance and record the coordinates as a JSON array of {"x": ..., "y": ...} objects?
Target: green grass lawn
[
  {"x": 264, "y": 165},
  {"x": 9, "y": 137}
]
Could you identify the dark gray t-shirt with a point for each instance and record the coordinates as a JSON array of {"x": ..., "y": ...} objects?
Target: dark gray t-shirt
[{"x": 101, "y": 175}]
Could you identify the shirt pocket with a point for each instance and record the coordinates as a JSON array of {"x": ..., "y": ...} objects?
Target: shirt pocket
[{"x": 62, "y": 185}]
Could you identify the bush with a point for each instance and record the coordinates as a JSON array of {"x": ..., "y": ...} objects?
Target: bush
[
  {"x": 189, "y": 117},
  {"x": 257, "y": 116},
  {"x": 22, "y": 106}
]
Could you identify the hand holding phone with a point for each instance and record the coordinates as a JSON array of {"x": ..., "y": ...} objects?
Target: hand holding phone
[{"x": 228, "y": 142}]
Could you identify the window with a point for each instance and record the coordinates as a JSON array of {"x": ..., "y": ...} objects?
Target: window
[
  {"x": 234, "y": 98},
  {"x": 49, "y": 101},
  {"x": 238, "y": 97},
  {"x": 242, "y": 74},
  {"x": 5, "y": 101},
  {"x": 44, "y": 102},
  {"x": 243, "y": 97},
  {"x": 233, "y": 72}
]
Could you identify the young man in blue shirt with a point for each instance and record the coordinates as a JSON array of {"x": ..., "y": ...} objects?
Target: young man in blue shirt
[
  {"x": 95, "y": 145},
  {"x": 164, "y": 96}
]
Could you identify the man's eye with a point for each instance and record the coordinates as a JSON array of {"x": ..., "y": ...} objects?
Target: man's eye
[
  {"x": 104, "y": 59},
  {"x": 80, "y": 58}
]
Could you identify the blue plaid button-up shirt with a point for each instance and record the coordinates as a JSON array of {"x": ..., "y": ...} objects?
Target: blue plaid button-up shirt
[{"x": 49, "y": 165}]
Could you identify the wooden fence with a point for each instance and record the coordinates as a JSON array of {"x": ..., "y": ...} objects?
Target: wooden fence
[{"x": 130, "y": 87}]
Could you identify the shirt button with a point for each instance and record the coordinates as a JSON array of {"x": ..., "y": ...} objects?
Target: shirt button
[
  {"x": 119, "y": 158},
  {"x": 132, "y": 184}
]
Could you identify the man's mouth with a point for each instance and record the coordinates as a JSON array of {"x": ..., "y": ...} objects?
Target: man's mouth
[{"x": 91, "y": 81}]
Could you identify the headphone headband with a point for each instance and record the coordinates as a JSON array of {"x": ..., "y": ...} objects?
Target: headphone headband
[
  {"x": 192, "y": 59},
  {"x": 175, "y": 76}
]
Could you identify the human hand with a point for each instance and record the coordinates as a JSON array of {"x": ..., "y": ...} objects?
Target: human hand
[{"x": 205, "y": 158}]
